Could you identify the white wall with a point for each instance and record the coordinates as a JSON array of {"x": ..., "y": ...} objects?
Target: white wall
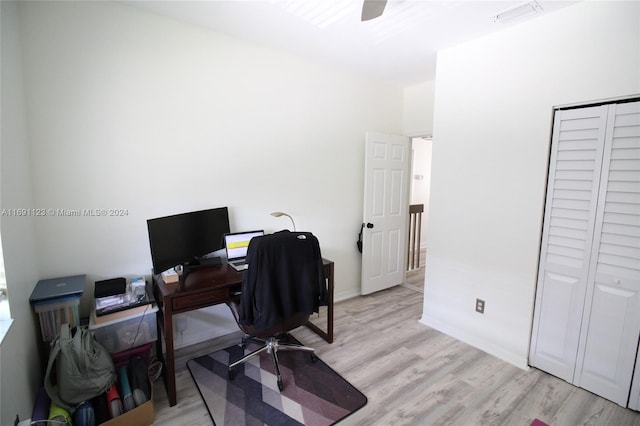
[
  {"x": 133, "y": 111},
  {"x": 129, "y": 110},
  {"x": 418, "y": 109},
  {"x": 20, "y": 366},
  {"x": 492, "y": 123}
]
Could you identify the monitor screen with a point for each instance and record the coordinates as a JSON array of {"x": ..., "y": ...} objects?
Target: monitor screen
[{"x": 182, "y": 238}]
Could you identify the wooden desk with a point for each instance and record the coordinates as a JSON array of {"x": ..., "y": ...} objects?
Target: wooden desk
[{"x": 207, "y": 287}]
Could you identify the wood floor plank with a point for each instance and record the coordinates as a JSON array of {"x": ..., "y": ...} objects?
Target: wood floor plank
[
  {"x": 546, "y": 397},
  {"x": 414, "y": 375}
]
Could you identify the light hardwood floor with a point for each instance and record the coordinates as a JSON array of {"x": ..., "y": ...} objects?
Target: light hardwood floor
[{"x": 414, "y": 375}]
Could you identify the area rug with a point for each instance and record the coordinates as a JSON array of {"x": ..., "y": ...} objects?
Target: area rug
[{"x": 313, "y": 393}]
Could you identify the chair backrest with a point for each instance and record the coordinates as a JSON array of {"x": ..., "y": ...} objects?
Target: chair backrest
[{"x": 284, "y": 281}]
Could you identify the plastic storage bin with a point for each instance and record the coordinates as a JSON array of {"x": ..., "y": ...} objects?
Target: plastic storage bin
[
  {"x": 127, "y": 332},
  {"x": 122, "y": 358},
  {"x": 55, "y": 312}
]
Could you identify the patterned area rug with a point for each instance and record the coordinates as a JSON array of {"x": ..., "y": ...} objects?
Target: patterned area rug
[{"x": 313, "y": 393}]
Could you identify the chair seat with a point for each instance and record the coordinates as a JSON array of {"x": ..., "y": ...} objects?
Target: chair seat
[{"x": 284, "y": 326}]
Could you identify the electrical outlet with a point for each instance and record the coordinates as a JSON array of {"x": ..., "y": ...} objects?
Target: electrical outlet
[{"x": 480, "y": 306}]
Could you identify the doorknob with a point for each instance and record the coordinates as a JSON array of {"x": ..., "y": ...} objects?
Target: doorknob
[{"x": 369, "y": 225}]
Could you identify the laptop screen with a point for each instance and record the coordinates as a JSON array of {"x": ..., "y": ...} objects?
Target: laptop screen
[{"x": 237, "y": 243}]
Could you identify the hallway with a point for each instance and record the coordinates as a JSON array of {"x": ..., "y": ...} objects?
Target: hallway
[{"x": 414, "y": 279}]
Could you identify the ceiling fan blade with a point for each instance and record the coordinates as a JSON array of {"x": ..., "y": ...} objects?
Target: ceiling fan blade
[{"x": 372, "y": 9}]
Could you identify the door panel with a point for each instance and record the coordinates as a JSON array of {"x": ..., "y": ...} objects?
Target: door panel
[
  {"x": 561, "y": 311},
  {"x": 386, "y": 202},
  {"x": 572, "y": 191},
  {"x": 609, "y": 338},
  {"x": 610, "y": 346}
]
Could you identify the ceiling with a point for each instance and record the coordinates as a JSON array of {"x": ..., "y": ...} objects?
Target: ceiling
[{"x": 398, "y": 47}]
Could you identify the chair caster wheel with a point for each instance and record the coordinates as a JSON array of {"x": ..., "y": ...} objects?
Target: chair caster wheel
[
  {"x": 231, "y": 374},
  {"x": 314, "y": 358},
  {"x": 280, "y": 385}
]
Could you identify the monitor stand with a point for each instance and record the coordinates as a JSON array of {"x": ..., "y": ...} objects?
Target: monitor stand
[
  {"x": 203, "y": 262},
  {"x": 210, "y": 261}
]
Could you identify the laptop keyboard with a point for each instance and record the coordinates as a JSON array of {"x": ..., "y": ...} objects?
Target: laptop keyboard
[{"x": 240, "y": 264}]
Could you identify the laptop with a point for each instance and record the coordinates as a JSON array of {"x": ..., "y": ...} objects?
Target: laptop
[
  {"x": 236, "y": 245},
  {"x": 58, "y": 287}
]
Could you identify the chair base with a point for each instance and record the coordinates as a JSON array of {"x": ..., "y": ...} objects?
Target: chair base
[{"x": 272, "y": 345}]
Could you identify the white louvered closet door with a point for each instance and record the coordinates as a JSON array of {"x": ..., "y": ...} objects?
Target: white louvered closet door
[
  {"x": 572, "y": 195},
  {"x": 611, "y": 324},
  {"x": 587, "y": 315}
]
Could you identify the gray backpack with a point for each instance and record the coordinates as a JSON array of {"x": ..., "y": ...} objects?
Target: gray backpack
[{"x": 84, "y": 369}]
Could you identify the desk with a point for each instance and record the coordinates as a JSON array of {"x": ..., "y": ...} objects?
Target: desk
[{"x": 204, "y": 287}]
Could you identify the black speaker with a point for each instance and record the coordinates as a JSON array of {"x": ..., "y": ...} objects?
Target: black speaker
[{"x": 110, "y": 287}]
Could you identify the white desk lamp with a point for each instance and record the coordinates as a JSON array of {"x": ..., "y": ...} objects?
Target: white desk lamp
[{"x": 278, "y": 214}]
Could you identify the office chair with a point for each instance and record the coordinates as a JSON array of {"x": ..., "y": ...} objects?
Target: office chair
[{"x": 283, "y": 285}]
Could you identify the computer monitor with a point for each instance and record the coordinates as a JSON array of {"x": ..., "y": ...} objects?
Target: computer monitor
[{"x": 182, "y": 239}]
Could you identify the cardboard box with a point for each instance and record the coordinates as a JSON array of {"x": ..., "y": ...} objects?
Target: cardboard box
[
  {"x": 170, "y": 276},
  {"x": 139, "y": 416}
]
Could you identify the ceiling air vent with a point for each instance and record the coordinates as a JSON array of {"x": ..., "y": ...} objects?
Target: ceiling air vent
[{"x": 517, "y": 12}]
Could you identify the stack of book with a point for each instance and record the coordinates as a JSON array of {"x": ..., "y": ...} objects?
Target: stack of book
[
  {"x": 57, "y": 301},
  {"x": 117, "y": 302}
]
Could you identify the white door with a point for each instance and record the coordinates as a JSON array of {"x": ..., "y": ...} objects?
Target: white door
[
  {"x": 386, "y": 204},
  {"x": 634, "y": 395},
  {"x": 567, "y": 234},
  {"x": 587, "y": 314},
  {"x": 611, "y": 324}
]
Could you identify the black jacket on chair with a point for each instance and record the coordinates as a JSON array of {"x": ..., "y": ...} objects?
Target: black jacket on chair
[{"x": 285, "y": 277}]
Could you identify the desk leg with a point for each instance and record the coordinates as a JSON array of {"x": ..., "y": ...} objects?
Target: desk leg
[
  {"x": 326, "y": 335},
  {"x": 330, "y": 305},
  {"x": 169, "y": 359}
]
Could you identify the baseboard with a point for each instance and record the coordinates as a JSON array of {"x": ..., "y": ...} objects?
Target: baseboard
[
  {"x": 477, "y": 342},
  {"x": 412, "y": 287},
  {"x": 344, "y": 295}
]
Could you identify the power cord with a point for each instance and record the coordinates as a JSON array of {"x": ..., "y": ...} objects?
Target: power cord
[
  {"x": 135, "y": 337},
  {"x": 155, "y": 366},
  {"x": 155, "y": 369}
]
